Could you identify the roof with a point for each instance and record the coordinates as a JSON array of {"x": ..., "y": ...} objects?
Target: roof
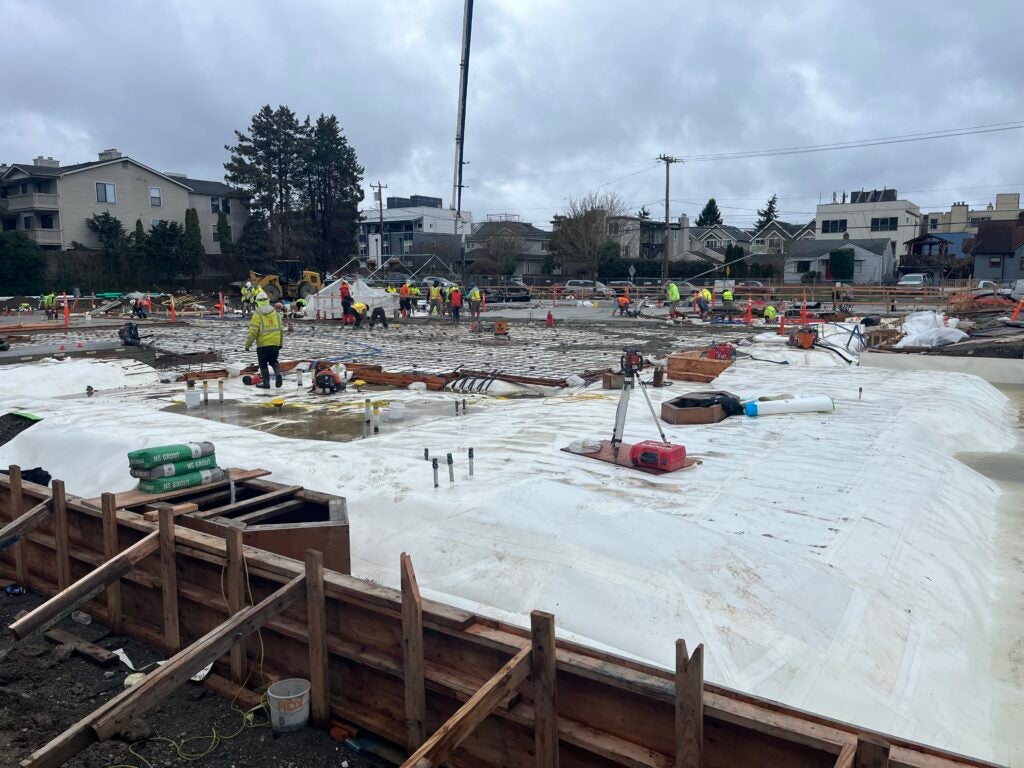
[
  {"x": 999, "y": 237},
  {"x": 217, "y": 188},
  {"x": 958, "y": 241},
  {"x": 44, "y": 170},
  {"x": 790, "y": 229},
  {"x": 196, "y": 185},
  {"x": 810, "y": 249},
  {"x": 740, "y": 235},
  {"x": 489, "y": 229}
]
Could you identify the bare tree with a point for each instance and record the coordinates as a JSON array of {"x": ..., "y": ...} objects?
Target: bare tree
[{"x": 582, "y": 230}]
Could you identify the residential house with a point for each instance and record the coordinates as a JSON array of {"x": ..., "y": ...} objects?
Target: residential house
[
  {"x": 719, "y": 237},
  {"x": 644, "y": 239},
  {"x": 51, "y": 203},
  {"x": 504, "y": 231},
  {"x": 872, "y": 259},
  {"x": 410, "y": 231},
  {"x": 943, "y": 256},
  {"x": 867, "y": 215},
  {"x": 770, "y": 243},
  {"x": 999, "y": 250},
  {"x": 961, "y": 218}
]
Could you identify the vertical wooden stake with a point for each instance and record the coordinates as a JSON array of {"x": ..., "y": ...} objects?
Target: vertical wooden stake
[
  {"x": 316, "y": 609},
  {"x": 169, "y": 578},
  {"x": 17, "y": 508},
  {"x": 412, "y": 657},
  {"x": 872, "y": 752},
  {"x": 689, "y": 706},
  {"x": 110, "y": 550},
  {"x": 236, "y": 596},
  {"x": 545, "y": 706},
  {"x": 60, "y": 534}
]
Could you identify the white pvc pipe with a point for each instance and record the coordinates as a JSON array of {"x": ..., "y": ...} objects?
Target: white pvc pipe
[{"x": 812, "y": 404}]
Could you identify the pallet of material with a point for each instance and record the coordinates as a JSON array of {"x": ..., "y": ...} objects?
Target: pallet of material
[
  {"x": 454, "y": 687},
  {"x": 693, "y": 365}
]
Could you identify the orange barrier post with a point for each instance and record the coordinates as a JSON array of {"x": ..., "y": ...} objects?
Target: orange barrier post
[
  {"x": 554, "y": 295},
  {"x": 67, "y": 312},
  {"x": 483, "y": 302},
  {"x": 803, "y": 310},
  {"x": 750, "y": 311},
  {"x": 1016, "y": 310},
  {"x": 220, "y": 305},
  {"x": 174, "y": 314}
]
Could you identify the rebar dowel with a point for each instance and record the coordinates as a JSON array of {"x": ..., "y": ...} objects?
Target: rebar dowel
[
  {"x": 470, "y": 462},
  {"x": 435, "y": 473},
  {"x": 463, "y": 406},
  {"x": 426, "y": 454},
  {"x": 206, "y": 392},
  {"x": 451, "y": 469},
  {"x": 220, "y": 391},
  {"x": 376, "y": 420}
]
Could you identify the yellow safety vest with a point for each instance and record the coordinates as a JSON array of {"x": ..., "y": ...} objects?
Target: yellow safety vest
[
  {"x": 474, "y": 295},
  {"x": 359, "y": 307},
  {"x": 265, "y": 327},
  {"x": 435, "y": 293},
  {"x": 726, "y": 295}
]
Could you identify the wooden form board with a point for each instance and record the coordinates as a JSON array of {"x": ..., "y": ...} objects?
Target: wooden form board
[
  {"x": 137, "y": 498},
  {"x": 610, "y": 711}
]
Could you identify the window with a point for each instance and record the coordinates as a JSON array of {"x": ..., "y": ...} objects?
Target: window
[
  {"x": 46, "y": 221},
  {"x": 10, "y": 225},
  {"x": 544, "y": 245},
  {"x": 26, "y": 223},
  {"x": 613, "y": 227},
  {"x": 407, "y": 246},
  {"x": 214, "y": 205},
  {"x": 933, "y": 224},
  {"x": 43, "y": 187},
  {"x": 758, "y": 241},
  {"x": 216, "y": 235},
  {"x": 803, "y": 266},
  {"x": 624, "y": 251},
  {"x": 24, "y": 188},
  {"x": 712, "y": 243},
  {"x": 995, "y": 261},
  {"x": 155, "y": 222},
  {"x": 154, "y": 197},
  {"x": 976, "y": 220},
  {"x": 884, "y": 224},
  {"x": 105, "y": 193},
  {"x": 833, "y": 225},
  {"x": 774, "y": 244},
  {"x": 225, "y": 205}
]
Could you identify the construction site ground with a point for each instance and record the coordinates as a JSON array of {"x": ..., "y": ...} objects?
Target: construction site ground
[{"x": 45, "y": 689}]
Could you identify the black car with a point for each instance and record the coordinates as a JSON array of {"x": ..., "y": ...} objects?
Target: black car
[{"x": 513, "y": 291}]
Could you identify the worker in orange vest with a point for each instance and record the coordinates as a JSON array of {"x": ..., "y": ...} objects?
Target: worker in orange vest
[
  {"x": 455, "y": 302},
  {"x": 405, "y": 299}
]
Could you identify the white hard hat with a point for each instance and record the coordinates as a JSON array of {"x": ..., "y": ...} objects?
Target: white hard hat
[{"x": 248, "y": 284}]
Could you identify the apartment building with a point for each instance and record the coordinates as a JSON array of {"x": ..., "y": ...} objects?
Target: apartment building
[
  {"x": 962, "y": 218},
  {"x": 869, "y": 215},
  {"x": 410, "y": 226},
  {"x": 50, "y": 203}
]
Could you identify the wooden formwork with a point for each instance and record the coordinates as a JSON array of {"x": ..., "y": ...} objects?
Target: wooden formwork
[{"x": 451, "y": 686}]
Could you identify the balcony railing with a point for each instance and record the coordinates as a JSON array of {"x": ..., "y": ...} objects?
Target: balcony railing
[
  {"x": 32, "y": 202},
  {"x": 43, "y": 236}
]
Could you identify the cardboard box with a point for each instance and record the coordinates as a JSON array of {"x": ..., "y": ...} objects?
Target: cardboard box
[{"x": 612, "y": 380}]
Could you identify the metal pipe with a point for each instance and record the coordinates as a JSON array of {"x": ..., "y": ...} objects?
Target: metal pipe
[
  {"x": 456, "y": 407},
  {"x": 435, "y": 472},
  {"x": 298, "y": 378},
  {"x": 220, "y": 391},
  {"x": 463, "y": 406},
  {"x": 470, "y": 462},
  {"x": 376, "y": 420},
  {"x": 426, "y": 454},
  {"x": 451, "y": 469},
  {"x": 206, "y": 392}
]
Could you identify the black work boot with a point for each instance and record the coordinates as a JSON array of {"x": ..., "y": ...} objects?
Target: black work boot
[{"x": 278, "y": 380}]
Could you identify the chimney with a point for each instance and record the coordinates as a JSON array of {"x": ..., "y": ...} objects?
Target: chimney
[
  {"x": 109, "y": 154},
  {"x": 45, "y": 162},
  {"x": 684, "y": 233}
]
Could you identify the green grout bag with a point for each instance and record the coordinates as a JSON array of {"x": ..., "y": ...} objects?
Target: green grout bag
[
  {"x": 147, "y": 458},
  {"x": 188, "y": 480},
  {"x": 176, "y": 468}
]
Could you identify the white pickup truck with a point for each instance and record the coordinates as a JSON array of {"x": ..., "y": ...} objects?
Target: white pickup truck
[{"x": 1014, "y": 290}]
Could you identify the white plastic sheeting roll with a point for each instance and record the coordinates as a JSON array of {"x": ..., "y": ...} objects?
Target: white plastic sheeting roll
[{"x": 811, "y": 404}]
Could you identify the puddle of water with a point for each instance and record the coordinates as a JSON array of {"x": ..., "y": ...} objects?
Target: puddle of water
[{"x": 335, "y": 423}]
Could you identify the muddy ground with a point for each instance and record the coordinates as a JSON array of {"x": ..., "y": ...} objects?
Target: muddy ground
[{"x": 43, "y": 691}]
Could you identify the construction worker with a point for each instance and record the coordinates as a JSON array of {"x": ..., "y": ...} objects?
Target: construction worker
[
  {"x": 475, "y": 297},
  {"x": 248, "y": 295},
  {"x": 436, "y": 300},
  {"x": 727, "y": 300},
  {"x": 770, "y": 313},
  {"x": 405, "y": 299},
  {"x": 358, "y": 310},
  {"x": 672, "y": 295},
  {"x": 414, "y": 293},
  {"x": 50, "y": 305},
  {"x": 300, "y": 307},
  {"x": 623, "y": 302},
  {"x": 700, "y": 303},
  {"x": 455, "y": 302},
  {"x": 378, "y": 317},
  {"x": 265, "y": 329}
]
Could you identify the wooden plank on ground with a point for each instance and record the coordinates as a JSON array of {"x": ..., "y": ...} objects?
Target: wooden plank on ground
[
  {"x": 459, "y": 726},
  {"x": 269, "y": 513},
  {"x": 545, "y": 704},
  {"x": 137, "y": 498},
  {"x": 159, "y": 684},
  {"x": 17, "y": 500},
  {"x": 86, "y": 588},
  {"x": 60, "y": 534},
  {"x": 236, "y": 596},
  {"x": 91, "y": 651},
  {"x": 230, "y": 510},
  {"x": 412, "y": 656},
  {"x": 169, "y": 579},
  {"x": 316, "y": 612},
  {"x": 689, "y": 706},
  {"x": 110, "y": 551}
]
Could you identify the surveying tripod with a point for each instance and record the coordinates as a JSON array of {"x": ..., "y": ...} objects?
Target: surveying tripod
[{"x": 632, "y": 363}]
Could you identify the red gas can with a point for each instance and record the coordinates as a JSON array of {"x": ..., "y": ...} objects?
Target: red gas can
[{"x": 651, "y": 454}]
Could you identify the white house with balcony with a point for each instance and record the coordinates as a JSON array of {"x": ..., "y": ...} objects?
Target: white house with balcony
[{"x": 874, "y": 214}]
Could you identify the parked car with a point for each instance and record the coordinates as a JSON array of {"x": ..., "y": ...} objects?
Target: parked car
[
  {"x": 426, "y": 283},
  {"x": 587, "y": 289},
  {"x": 393, "y": 278},
  {"x": 914, "y": 280},
  {"x": 753, "y": 286},
  {"x": 511, "y": 291},
  {"x": 621, "y": 284}
]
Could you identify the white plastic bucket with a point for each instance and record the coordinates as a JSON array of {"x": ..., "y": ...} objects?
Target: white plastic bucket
[
  {"x": 192, "y": 398},
  {"x": 289, "y": 704},
  {"x": 396, "y": 410}
]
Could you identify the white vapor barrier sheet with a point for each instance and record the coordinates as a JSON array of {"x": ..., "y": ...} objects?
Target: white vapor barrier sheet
[{"x": 844, "y": 563}]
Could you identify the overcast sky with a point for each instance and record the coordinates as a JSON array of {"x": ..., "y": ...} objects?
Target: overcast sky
[{"x": 565, "y": 96}]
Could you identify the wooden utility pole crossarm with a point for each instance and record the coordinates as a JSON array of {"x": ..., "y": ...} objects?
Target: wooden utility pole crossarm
[
  {"x": 448, "y": 737},
  {"x": 86, "y": 588},
  {"x": 214, "y": 644}
]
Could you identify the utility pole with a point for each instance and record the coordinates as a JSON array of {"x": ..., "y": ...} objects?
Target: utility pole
[
  {"x": 667, "y": 160},
  {"x": 460, "y": 128},
  {"x": 380, "y": 208}
]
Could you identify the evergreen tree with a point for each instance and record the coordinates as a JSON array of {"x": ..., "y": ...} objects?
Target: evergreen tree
[
  {"x": 138, "y": 252},
  {"x": 710, "y": 215},
  {"x": 114, "y": 246},
  {"x": 643, "y": 214},
  {"x": 191, "y": 253},
  {"x": 767, "y": 214},
  {"x": 22, "y": 264},
  {"x": 164, "y": 246},
  {"x": 253, "y": 246},
  {"x": 224, "y": 233}
]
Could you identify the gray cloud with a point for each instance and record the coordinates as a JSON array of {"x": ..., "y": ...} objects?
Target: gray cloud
[{"x": 564, "y": 97}]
